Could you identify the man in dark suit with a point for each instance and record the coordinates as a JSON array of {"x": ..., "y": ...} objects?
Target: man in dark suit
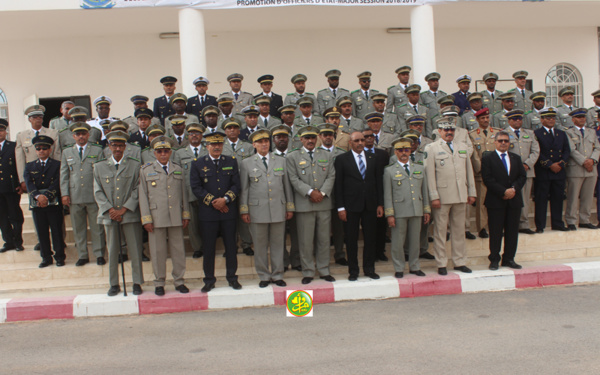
[
  {"x": 215, "y": 181},
  {"x": 359, "y": 200},
  {"x": 550, "y": 175},
  {"x": 266, "y": 84},
  {"x": 42, "y": 178},
  {"x": 11, "y": 217},
  {"x": 504, "y": 176},
  {"x": 460, "y": 97},
  {"x": 144, "y": 120},
  {"x": 162, "y": 107},
  {"x": 197, "y": 103}
]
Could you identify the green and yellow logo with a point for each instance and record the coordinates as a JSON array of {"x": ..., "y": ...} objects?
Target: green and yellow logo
[{"x": 299, "y": 303}]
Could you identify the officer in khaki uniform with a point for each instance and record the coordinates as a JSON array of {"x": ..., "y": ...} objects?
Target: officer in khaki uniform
[
  {"x": 524, "y": 144},
  {"x": 499, "y": 119},
  {"x": 412, "y": 107},
  {"x": 241, "y": 99},
  {"x": 362, "y": 102},
  {"x": 490, "y": 96},
  {"x": 563, "y": 117},
  {"x": 429, "y": 97},
  {"x": 522, "y": 95},
  {"x": 581, "y": 171},
  {"x": 451, "y": 185},
  {"x": 287, "y": 117},
  {"x": 460, "y": 134},
  {"x": 395, "y": 93},
  {"x": 77, "y": 114},
  {"x": 592, "y": 113},
  {"x": 165, "y": 213},
  {"x": 76, "y": 187},
  {"x": 61, "y": 122},
  {"x": 328, "y": 97},
  {"x": 390, "y": 120},
  {"x": 179, "y": 104},
  {"x": 406, "y": 206},
  {"x": 116, "y": 182},
  {"x": 468, "y": 117},
  {"x": 299, "y": 82},
  {"x": 383, "y": 140},
  {"x": 265, "y": 120},
  {"x": 348, "y": 122},
  {"x": 153, "y": 131},
  {"x": 531, "y": 119},
  {"x": 342, "y": 134},
  {"x": 307, "y": 113},
  {"x": 178, "y": 132}
]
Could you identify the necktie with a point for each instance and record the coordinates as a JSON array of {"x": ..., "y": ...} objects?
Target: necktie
[
  {"x": 37, "y": 132},
  {"x": 266, "y": 122},
  {"x": 43, "y": 164},
  {"x": 226, "y": 117},
  {"x": 377, "y": 138},
  {"x": 264, "y": 159},
  {"x": 450, "y": 146},
  {"x": 165, "y": 168},
  {"x": 435, "y": 94},
  {"x": 117, "y": 167},
  {"x": 518, "y": 133},
  {"x": 492, "y": 96},
  {"x": 416, "y": 111},
  {"x": 552, "y": 132},
  {"x": 570, "y": 108},
  {"x": 361, "y": 167},
  {"x": 307, "y": 121},
  {"x": 348, "y": 121},
  {"x": 406, "y": 169},
  {"x": 310, "y": 154},
  {"x": 582, "y": 133},
  {"x": 196, "y": 151},
  {"x": 233, "y": 145},
  {"x": 485, "y": 132},
  {"x": 80, "y": 153},
  {"x": 504, "y": 162},
  {"x": 523, "y": 93},
  {"x": 179, "y": 140},
  {"x": 236, "y": 96},
  {"x": 367, "y": 95},
  {"x": 334, "y": 93},
  {"x": 216, "y": 161},
  {"x": 202, "y": 101}
]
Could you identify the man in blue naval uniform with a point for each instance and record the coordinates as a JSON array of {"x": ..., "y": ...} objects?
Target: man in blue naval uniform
[
  {"x": 162, "y": 106},
  {"x": 215, "y": 181},
  {"x": 11, "y": 219}
]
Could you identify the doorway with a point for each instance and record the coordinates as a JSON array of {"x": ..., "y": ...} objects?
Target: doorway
[{"x": 53, "y": 105}]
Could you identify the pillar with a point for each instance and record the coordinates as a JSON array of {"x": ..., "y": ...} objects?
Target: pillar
[
  {"x": 423, "y": 43},
  {"x": 192, "y": 49}
]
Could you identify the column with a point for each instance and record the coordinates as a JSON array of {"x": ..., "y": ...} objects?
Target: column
[
  {"x": 423, "y": 43},
  {"x": 192, "y": 49}
]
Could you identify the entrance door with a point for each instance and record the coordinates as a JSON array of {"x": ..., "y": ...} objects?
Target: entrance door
[{"x": 53, "y": 105}]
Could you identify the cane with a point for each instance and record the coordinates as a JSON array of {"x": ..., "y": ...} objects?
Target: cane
[{"x": 122, "y": 260}]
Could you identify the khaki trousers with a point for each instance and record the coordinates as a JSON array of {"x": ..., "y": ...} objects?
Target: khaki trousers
[
  {"x": 481, "y": 218},
  {"x": 83, "y": 215},
  {"x": 132, "y": 236},
  {"x": 313, "y": 239},
  {"x": 526, "y": 192},
  {"x": 580, "y": 196},
  {"x": 406, "y": 233},
  {"x": 269, "y": 241},
  {"x": 194, "y": 227},
  {"x": 161, "y": 241},
  {"x": 453, "y": 214}
]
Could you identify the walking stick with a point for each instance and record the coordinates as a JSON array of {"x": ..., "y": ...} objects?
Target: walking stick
[{"x": 122, "y": 260}]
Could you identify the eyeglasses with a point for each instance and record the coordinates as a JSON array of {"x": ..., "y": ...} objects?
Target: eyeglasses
[
  {"x": 448, "y": 129},
  {"x": 404, "y": 149},
  {"x": 369, "y": 136},
  {"x": 42, "y": 148},
  {"x": 163, "y": 150},
  {"x": 502, "y": 140}
]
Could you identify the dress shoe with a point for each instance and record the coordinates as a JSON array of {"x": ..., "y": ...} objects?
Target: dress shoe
[
  {"x": 306, "y": 280},
  {"x": 464, "y": 269},
  {"x": 197, "y": 254},
  {"x": 539, "y": 231},
  {"x": 447, "y": 236},
  {"x": 512, "y": 264},
  {"x": 124, "y": 258},
  {"x": 561, "y": 229},
  {"x": 442, "y": 271},
  {"x": 426, "y": 255},
  {"x": 248, "y": 251},
  {"x": 571, "y": 227},
  {"x": 483, "y": 233},
  {"x": 418, "y": 273},
  {"x": 468, "y": 236},
  {"x": 82, "y": 262},
  {"x": 297, "y": 268},
  {"x": 37, "y": 247},
  {"x": 526, "y": 231},
  {"x": 328, "y": 278},
  {"x": 279, "y": 283},
  {"x": 145, "y": 258},
  {"x": 341, "y": 262},
  {"x": 159, "y": 290},
  {"x": 264, "y": 284},
  {"x": 114, "y": 290},
  {"x": 235, "y": 285},
  {"x": 182, "y": 289},
  {"x": 207, "y": 287},
  {"x": 399, "y": 275},
  {"x": 493, "y": 266},
  {"x": 6, "y": 248},
  {"x": 352, "y": 277},
  {"x": 19, "y": 248},
  {"x": 137, "y": 289},
  {"x": 45, "y": 263},
  {"x": 372, "y": 275},
  {"x": 60, "y": 263},
  {"x": 588, "y": 226},
  {"x": 100, "y": 261},
  {"x": 382, "y": 257},
  {"x": 286, "y": 268}
]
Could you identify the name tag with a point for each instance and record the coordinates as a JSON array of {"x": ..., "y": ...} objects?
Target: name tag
[
  {"x": 177, "y": 172},
  {"x": 302, "y": 162},
  {"x": 525, "y": 136},
  {"x": 92, "y": 156},
  {"x": 227, "y": 168},
  {"x": 152, "y": 174},
  {"x": 417, "y": 172},
  {"x": 277, "y": 169},
  {"x": 462, "y": 151},
  {"x": 322, "y": 161}
]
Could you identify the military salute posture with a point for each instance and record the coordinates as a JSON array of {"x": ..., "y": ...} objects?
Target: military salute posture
[{"x": 11, "y": 219}]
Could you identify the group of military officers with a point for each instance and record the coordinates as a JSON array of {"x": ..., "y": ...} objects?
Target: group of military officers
[{"x": 195, "y": 163}]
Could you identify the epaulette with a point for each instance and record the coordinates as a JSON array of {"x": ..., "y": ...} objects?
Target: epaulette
[
  {"x": 146, "y": 165},
  {"x": 279, "y": 155},
  {"x": 291, "y": 93},
  {"x": 276, "y": 118},
  {"x": 296, "y": 149},
  {"x": 138, "y": 160},
  {"x": 127, "y": 118},
  {"x": 402, "y": 105},
  {"x": 528, "y": 112},
  {"x": 493, "y": 114},
  {"x": 54, "y": 118},
  {"x": 324, "y": 89},
  {"x": 355, "y": 91},
  {"x": 391, "y": 87},
  {"x": 309, "y": 93},
  {"x": 246, "y": 92},
  {"x": 63, "y": 129},
  {"x": 434, "y": 116},
  {"x": 390, "y": 165},
  {"x": 66, "y": 147},
  {"x": 147, "y": 148},
  {"x": 95, "y": 144},
  {"x": 297, "y": 116},
  {"x": 511, "y": 90},
  {"x": 136, "y": 144},
  {"x": 339, "y": 148}
]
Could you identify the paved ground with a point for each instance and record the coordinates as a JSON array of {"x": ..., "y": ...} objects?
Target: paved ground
[{"x": 551, "y": 331}]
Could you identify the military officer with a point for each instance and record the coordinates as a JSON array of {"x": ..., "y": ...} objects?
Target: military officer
[
  {"x": 131, "y": 149},
  {"x": 328, "y": 97},
  {"x": 524, "y": 144},
  {"x": 65, "y": 136},
  {"x": 312, "y": 176},
  {"x": 581, "y": 171},
  {"x": 445, "y": 103},
  {"x": 139, "y": 102},
  {"x": 531, "y": 119},
  {"x": 234, "y": 145},
  {"x": 226, "y": 110},
  {"x": 490, "y": 96},
  {"x": 460, "y": 134},
  {"x": 362, "y": 98},
  {"x": 153, "y": 131},
  {"x": 266, "y": 202},
  {"x": 251, "y": 119},
  {"x": 116, "y": 182},
  {"x": 102, "y": 105},
  {"x": 288, "y": 115},
  {"x": 211, "y": 118},
  {"x": 395, "y": 94},
  {"x": 406, "y": 206},
  {"x": 348, "y": 122},
  {"x": 162, "y": 107},
  {"x": 564, "y": 120},
  {"x": 76, "y": 187},
  {"x": 276, "y": 101},
  {"x": 59, "y": 123},
  {"x": 522, "y": 95},
  {"x": 429, "y": 97},
  {"x": 412, "y": 107},
  {"x": 178, "y": 132},
  {"x": 390, "y": 120},
  {"x": 460, "y": 97},
  {"x": 215, "y": 181},
  {"x": 241, "y": 99},
  {"x": 184, "y": 157},
  {"x": 592, "y": 113},
  {"x": 550, "y": 175},
  {"x": 42, "y": 180},
  {"x": 307, "y": 115},
  {"x": 299, "y": 82},
  {"x": 499, "y": 119},
  {"x": 451, "y": 185},
  {"x": 11, "y": 219},
  {"x": 197, "y": 103},
  {"x": 468, "y": 118},
  {"x": 265, "y": 119},
  {"x": 178, "y": 102},
  {"x": 342, "y": 134},
  {"x": 383, "y": 140},
  {"x": 144, "y": 120}
]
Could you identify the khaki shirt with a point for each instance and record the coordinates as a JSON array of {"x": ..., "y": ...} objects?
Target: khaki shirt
[
  {"x": 117, "y": 188},
  {"x": 77, "y": 174},
  {"x": 25, "y": 151}
]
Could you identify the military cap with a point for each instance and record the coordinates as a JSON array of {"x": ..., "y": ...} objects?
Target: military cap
[
  {"x": 250, "y": 110},
  {"x": 267, "y": 78},
  {"x": 102, "y": 100},
  {"x": 263, "y": 99},
  {"x": 194, "y": 127},
  {"x": 515, "y": 114},
  {"x": 463, "y": 78},
  {"x": 548, "y": 112},
  {"x": 117, "y": 136},
  {"x": 119, "y": 125},
  {"x": 365, "y": 74},
  {"x": 596, "y": 93},
  {"x": 214, "y": 137},
  {"x": 448, "y": 99},
  {"x": 308, "y": 130},
  {"x": 105, "y": 124},
  {"x": 539, "y": 95},
  {"x": 401, "y": 143},
  {"x": 35, "y": 110},
  {"x": 155, "y": 129},
  {"x": 411, "y": 134},
  {"x": 413, "y": 88},
  {"x": 139, "y": 98},
  {"x": 445, "y": 122},
  {"x": 482, "y": 112},
  {"x": 333, "y": 73},
  {"x": 343, "y": 100},
  {"x": 287, "y": 108},
  {"x": 260, "y": 134},
  {"x": 235, "y": 77},
  {"x": 79, "y": 126},
  {"x": 3, "y": 123},
  {"x": 42, "y": 140},
  {"x": 507, "y": 96},
  {"x": 403, "y": 69},
  {"x": 167, "y": 80},
  {"x": 177, "y": 96},
  {"x": 201, "y": 80},
  {"x": 78, "y": 111},
  {"x": 373, "y": 116},
  {"x": 474, "y": 96},
  {"x": 140, "y": 112},
  {"x": 379, "y": 96},
  {"x": 520, "y": 74},
  {"x": 490, "y": 75},
  {"x": 305, "y": 100},
  {"x": 299, "y": 77},
  {"x": 332, "y": 112},
  {"x": 177, "y": 119},
  {"x": 162, "y": 142},
  {"x": 578, "y": 112},
  {"x": 433, "y": 75},
  {"x": 225, "y": 98},
  {"x": 281, "y": 129},
  {"x": 327, "y": 128},
  {"x": 231, "y": 122},
  {"x": 451, "y": 110},
  {"x": 566, "y": 90},
  {"x": 210, "y": 110},
  {"x": 415, "y": 119}
]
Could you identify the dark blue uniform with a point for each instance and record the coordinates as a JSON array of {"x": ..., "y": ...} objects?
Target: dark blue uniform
[
  {"x": 162, "y": 109},
  {"x": 47, "y": 178},
  {"x": 210, "y": 181},
  {"x": 460, "y": 99},
  {"x": 11, "y": 215},
  {"x": 276, "y": 103},
  {"x": 195, "y": 107},
  {"x": 550, "y": 185},
  {"x": 136, "y": 138},
  {"x": 245, "y": 133}
]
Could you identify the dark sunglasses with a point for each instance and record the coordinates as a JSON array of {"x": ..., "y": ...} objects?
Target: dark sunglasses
[
  {"x": 502, "y": 141},
  {"x": 42, "y": 148}
]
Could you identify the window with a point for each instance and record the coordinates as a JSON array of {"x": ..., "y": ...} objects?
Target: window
[
  {"x": 560, "y": 76},
  {"x": 3, "y": 105}
]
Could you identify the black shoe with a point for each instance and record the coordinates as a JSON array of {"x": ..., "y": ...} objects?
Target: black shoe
[
  {"x": 306, "y": 280},
  {"x": 19, "y": 248},
  {"x": 353, "y": 277},
  {"x": 279, "y": 283},
  {"x": 60, "y": 263},
  {"x": 297, "y": 268},
  {"x": 372, "y": 275},
  {"x": 82, "y": 262},
  {"x": 235, "y": 285},
  {"x": 430, "y": 239},
  {"x": 405, "y": 257},
  {"x": 286, "y": 268},
  {"x": 248, "y": 251},
  {"x": 328, "y": 278},
  {"x": 561, "y": 229},
  {"x": 483, "y": 233},
  {"x": 539, "y": 231},
  {"x": 37, "y": 247},
  {"x": 114, "y": 290},
  {"x": 512, "y": 264},
  {"x": 145, "y": 258},
  {"x": 45, "y": 263},
  {"x": 464, "y": 269},
  {"x": 341, "y": 262},
  {"x": 399, "y": 275},
  {"x": 100, "y": 261},
  {"x": 493, "y": 266},
  {"x": 182, "y": 289},
  {"x": 197, "y": 254},
  {"x": 442, "y": 271},
  {"x": 207, "y": 287},
  {"x": 382, "y": 257},
  {"x": 125, "y": 258},
  {"x": 418, "y": 273},
  {"x": 468, "y": 236},
  {"x": 526, "y": 231},
  {"x": 137, "y": 289},
  {"x": 263, "y": 284},
  {"x": 6, "y": 248},
  {"x": 588, "y": 226},
  {"x": 571, "y": 227},
  {"x": 447, "y": 236},
  {"x": 426, "y": 255},
  {"x": 159, "y": 290}
]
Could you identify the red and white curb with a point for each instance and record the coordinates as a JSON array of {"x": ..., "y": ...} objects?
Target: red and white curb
[{"x": 24, "y": 309}]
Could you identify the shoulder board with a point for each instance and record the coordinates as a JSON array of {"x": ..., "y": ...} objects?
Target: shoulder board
[
  {"x": 296, "y": 149},
  {"x": 339, "y": 148},
  {"x": 147, "y": 148},
  {"x": 402, "y": 105},
  {"x": 246, "y": 92},
  {"x": 63, "y": 129},
  {"x": 390, "y": 165},
  {"x": 323, "y": 90},
  {"x": 95, "y": 144},
  {"x": 528, "y": 112},
  {"x": 128, "y": 117},
  {"x": 66, "y": 147},
  {"x": 146, "y": 165},
  {"x": 434, "y": 116},
  {"x": 245, "y": 141},
  {"x": 291, "y": 93},
  {"x": 391, "y": 87},
  {"x": 298, "y": 116},
  {"x": 355, "y": 91},
  {"x": 496, "y": 112},
  {"x": 309, "y": 93},
  {"x": 137, "y": 145},
  {"x": 511, "y": 90},
  {"x": 279, "y": 155},
  {"x": 138, "y": 160},
  {"x": 423, "y": 92}
]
